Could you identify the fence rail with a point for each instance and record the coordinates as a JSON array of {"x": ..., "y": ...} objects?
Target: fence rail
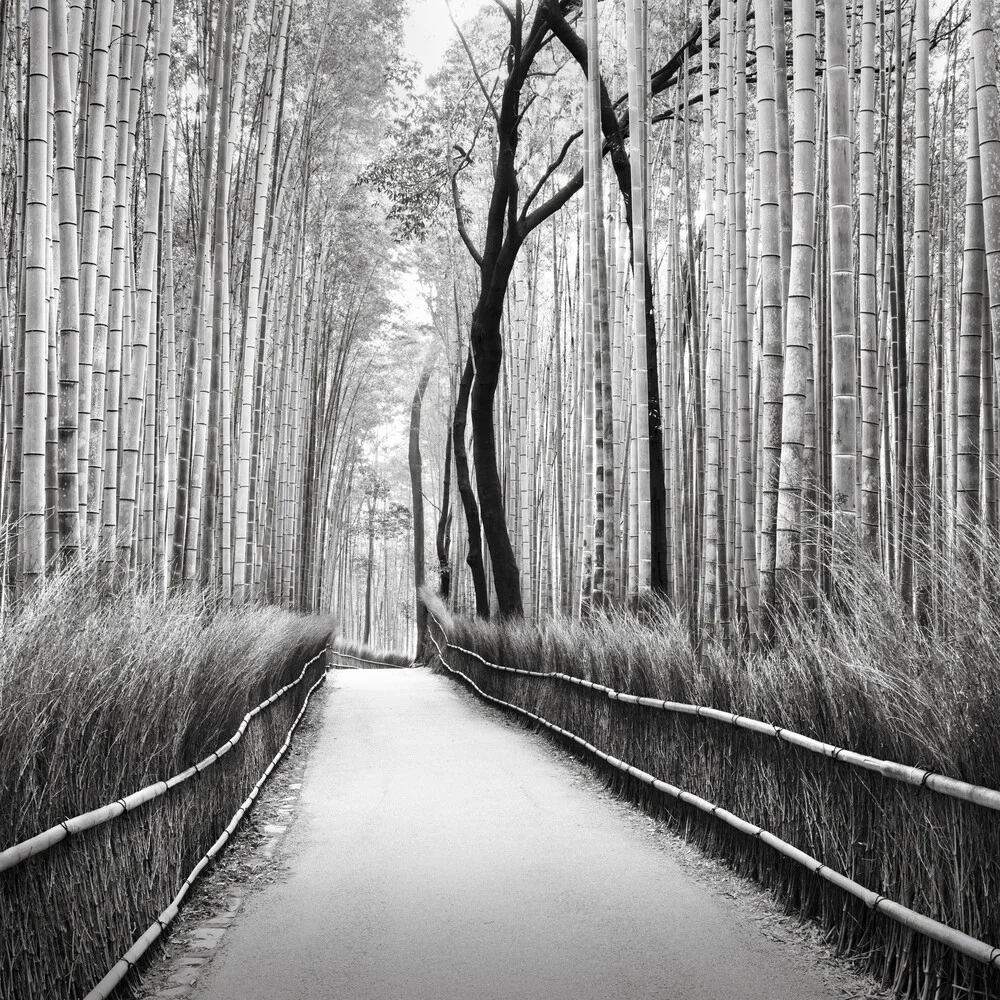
[
  {"x": 365, "y": 659},
  {"x": 142, "y": 944},
  {"x": 41, "y": 842},
  {"x": 934, "y": 929},
  {"x": 989, "y": 798}
]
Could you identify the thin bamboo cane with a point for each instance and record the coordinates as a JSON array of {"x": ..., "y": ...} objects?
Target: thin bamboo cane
[
  {"x": 967, "y": 506},
  {"x": 136, "y": 381},
  {"x": 772, "y": 363},
  {"x": 867, "y": 291},
  {"x": 103, "y": 89},
  {"x": 69, "y": 290},
  {"x": 841, "y": 215},
  {"x": 36, "y": 277},
  {"x": 921, "y": 310},
  {"x": 635, "y": 15}
]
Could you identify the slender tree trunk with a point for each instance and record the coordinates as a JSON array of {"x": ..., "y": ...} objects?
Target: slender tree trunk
[
  {"x": 417, "y": 500},
  {"x": 443, "y": 537},
  {"x": 474, "y": 559}
]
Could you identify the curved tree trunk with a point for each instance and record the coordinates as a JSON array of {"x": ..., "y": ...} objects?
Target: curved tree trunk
[
  {"x": 487, "y": 347},
  {"x": 464, "y": 482}
]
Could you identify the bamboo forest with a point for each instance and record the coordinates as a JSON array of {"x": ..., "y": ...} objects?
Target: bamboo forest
[{"x": 633, "y": 363}]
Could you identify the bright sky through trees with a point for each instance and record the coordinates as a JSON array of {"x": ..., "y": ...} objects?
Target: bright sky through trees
[{"x": 428, "y": 29}]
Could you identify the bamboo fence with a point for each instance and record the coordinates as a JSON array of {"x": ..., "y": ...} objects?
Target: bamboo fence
[
  {"x": 142, "y": 944},
  {"x": 967, "y": 945},
  {"x": 365, "y": 659},
  {"x": 41, "y": 842},
  {"x": 989, "y": 798}
]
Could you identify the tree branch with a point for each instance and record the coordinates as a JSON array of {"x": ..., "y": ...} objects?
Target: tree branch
[
  {"x": 527, "y": 104},
  {"x": 460, "y": 216},
  {"x": 550, "y": 207},
  {"x": 506, "y": 10},
  {"x": 549, "y": 171},
  {"x": 472, "y": 62}
]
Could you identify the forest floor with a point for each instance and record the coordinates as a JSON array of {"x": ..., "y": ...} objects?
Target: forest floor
[{"x": 435, "y": 849}]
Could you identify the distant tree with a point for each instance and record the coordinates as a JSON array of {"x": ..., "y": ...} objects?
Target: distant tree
[{"x": 512, "y": 215}]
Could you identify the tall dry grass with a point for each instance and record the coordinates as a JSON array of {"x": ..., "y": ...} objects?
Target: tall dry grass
[
  {"x": 99, "y": 697},
  {"x": 356, "y": 654},
  {"x": 859, "y": 673}
]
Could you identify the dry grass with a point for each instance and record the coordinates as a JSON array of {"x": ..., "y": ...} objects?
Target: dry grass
[
  {"x": 98, "y": 698},
  {"x": 869, "y": 679},
  {"x": 360, "y": 655}
]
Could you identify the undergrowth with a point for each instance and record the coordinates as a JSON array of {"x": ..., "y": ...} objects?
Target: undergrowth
[
  {"x": 362, "y": 656},
  {"x": 98, "y": 698},
  {"x": 860, "y": 674}
]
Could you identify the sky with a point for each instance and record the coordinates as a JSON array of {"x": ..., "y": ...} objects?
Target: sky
[
  {"x": 427, "y": 33},
  {"x": 428, "y": 30}
]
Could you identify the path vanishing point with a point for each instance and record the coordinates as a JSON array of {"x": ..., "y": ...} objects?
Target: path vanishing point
[{"x": 441, "y": 852}]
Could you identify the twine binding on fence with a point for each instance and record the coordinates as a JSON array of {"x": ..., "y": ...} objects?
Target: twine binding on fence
[
  {"x": 41, "y": 842},
  {"x": 964, "y": 943},
  {"x": 920, "y": 777},
  {"x": 142, "y": 944}
]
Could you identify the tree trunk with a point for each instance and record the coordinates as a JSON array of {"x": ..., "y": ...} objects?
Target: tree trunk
[
  {"x": 443, "y": 538},
  {"x": 487, "y": 349},
  {"x": 417, "y": 499},
  {"x": 463, "y": 480}
]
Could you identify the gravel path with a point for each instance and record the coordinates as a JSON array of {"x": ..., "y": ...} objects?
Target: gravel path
[{"x": 441, "y": 852}]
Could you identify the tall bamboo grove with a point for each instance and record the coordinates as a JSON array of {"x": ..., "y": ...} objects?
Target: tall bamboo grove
[
  {"x": 814, "y": 195},
  {"x": 185, "y": 309}
]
